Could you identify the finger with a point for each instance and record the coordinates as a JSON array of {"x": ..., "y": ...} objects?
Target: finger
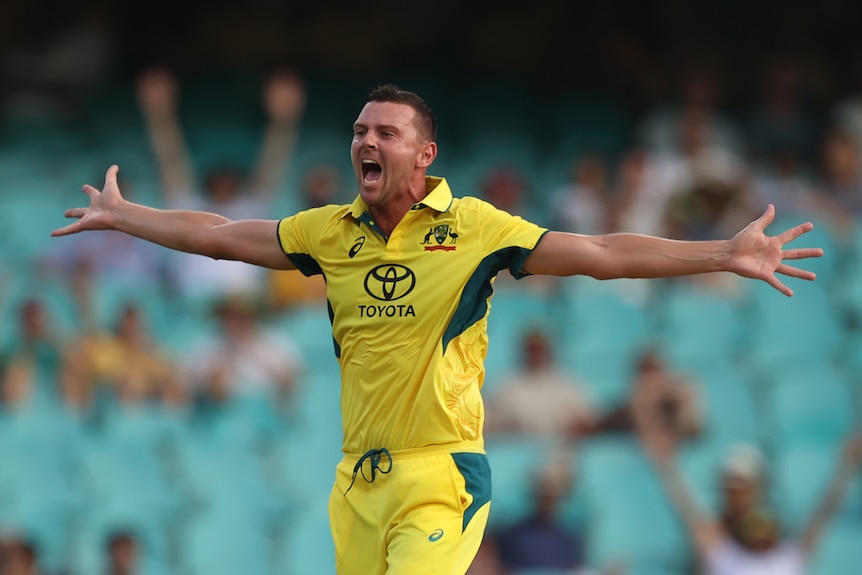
[
  {"x": 763, "y": 221},
  {"x": 789, "y": 235},
  {"x": 67, "y": 230},
  {"x": 91, "y": 192},
  {"x": 801, "y": 253},
  {"x": 75, "y": 212},
  {"x": 796, "y": 272},
  {"x": 776, "y": 283},
  {"x": 111, "y": 175}
]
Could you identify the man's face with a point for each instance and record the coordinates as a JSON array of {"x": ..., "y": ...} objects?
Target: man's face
[{"x": 386, "y": 151}]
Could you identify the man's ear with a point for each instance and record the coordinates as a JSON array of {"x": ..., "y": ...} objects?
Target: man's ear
[{"x": 427, "y": 154}]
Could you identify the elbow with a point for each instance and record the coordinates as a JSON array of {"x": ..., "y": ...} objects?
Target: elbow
[
  {"x": 211, "y": 246},
  {"x": 603, "y": 272}
]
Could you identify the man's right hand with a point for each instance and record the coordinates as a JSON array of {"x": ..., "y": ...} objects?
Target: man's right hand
[{"x": 157, "y": 92}]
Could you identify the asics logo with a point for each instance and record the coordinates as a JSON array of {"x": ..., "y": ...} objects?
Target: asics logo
[
  {"x": 360, "y": 241},
  {"x": 436, "y": 535}
]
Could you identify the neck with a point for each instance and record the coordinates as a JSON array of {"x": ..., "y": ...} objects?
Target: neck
[{"x": 388, "y": 216}]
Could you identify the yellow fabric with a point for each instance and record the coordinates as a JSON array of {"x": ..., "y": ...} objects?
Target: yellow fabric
[
  {"x": 410, "y": 312},
  {"x": 409, "y": 521}
]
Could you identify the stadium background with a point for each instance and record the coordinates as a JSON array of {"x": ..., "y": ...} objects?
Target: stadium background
[{"x": 530, "y": 86}]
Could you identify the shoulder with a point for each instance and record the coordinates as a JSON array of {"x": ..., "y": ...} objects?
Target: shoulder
[{"x": 319, "y": 216}]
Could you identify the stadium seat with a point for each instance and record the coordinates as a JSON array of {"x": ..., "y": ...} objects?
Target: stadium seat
[
  {"x": 514, "y": 461},
  {"x": 27, "y": 218},
  {"x": 699, "y": 323},
  {"x": 800, "y": 475},
  {"x": 128, "y": 476},
  {"x": 309, "y": 327},
  {"x": 303, "y": 458},
  {"x": 155, "y": 539},
  {"x": 839, "y": 551},
  {"x": 604, "y": 320},
  {"x": 224, "y": 544},
  {"x": 211, "y": 474},
  {"x": 631, "y": 522},
  {"x": 304, "y": 544},
  {"x": 790, "y": 329},
  {"x": 515, "y": 309},
  {"x": 799, "y": 412},
  {"x": 38, "y": 499},
  {"x": 730, "y": 410}
]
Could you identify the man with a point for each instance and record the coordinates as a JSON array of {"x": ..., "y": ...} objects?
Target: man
[
  {"x": 747, "y": 538},
  {"x": 409, "y": 272}
]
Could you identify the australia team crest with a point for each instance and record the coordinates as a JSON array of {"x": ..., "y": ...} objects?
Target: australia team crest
[{"x": 440, "y": 237}]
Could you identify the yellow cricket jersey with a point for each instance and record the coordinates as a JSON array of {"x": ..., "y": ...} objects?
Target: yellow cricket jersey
[{"x": 409, "y": 314}]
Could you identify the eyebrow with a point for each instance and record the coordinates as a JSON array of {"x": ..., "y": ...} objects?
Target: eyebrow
[{"x": 379, "y": 127}]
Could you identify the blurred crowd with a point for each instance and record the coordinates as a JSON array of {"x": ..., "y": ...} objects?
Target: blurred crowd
[{"x": 133, "y": 379}]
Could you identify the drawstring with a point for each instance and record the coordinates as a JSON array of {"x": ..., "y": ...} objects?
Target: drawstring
[{"x": 375, "y": 455}]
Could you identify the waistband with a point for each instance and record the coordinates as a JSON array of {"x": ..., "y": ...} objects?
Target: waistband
[{"x": 459, "y": 447}]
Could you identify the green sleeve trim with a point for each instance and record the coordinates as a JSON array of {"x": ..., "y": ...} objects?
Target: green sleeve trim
[{"x": 474, "y": 298}]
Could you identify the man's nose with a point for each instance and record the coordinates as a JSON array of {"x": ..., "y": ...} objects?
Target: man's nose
[{"x": 369, "y": 141}]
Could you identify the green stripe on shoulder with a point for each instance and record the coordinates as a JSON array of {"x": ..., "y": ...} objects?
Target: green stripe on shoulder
[{"x": 474, "y": 298}]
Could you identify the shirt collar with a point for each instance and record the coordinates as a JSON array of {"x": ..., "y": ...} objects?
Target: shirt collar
[{"x": 438, "y": 197}]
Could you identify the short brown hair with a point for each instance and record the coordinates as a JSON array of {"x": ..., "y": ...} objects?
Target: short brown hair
[{"x": 392, "y": 93}]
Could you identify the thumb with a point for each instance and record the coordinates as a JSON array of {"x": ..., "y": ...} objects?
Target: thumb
[
  {"x": 111, "y": 176},
  {"x": 768, "y": 216}
]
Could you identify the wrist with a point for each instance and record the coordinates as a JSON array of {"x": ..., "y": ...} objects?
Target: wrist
[{"x": 723, "y": 256}]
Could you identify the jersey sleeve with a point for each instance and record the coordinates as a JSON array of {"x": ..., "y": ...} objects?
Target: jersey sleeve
[
  {"x": 299, "y": 237},
  {"x": 511, "y": 239}
]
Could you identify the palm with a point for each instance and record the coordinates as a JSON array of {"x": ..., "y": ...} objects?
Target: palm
[{"x": 757, "y": 255}]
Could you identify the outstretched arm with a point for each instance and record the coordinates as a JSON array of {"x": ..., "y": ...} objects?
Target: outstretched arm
[
  {"x": 847, "y": 468},
  {"x": 750, "y": 253},
  {"x": 204, "y": 233},
  {"x": 157, "y": 97},
  {"x": 704, "y": 530},
  {"x": 284, "y": 99}
]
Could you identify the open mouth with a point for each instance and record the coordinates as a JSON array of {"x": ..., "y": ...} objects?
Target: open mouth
[{"x": 371, "y": 171}]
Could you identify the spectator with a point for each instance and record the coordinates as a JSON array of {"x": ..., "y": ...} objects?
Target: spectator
[
  {"x": 506, "y": 188},
  {"x": 659, "y": 397},
  {"x": 16, "y": 382},
  {"x": 753, "y": 542},
  {"x": 321, "y": 185},
  {"x": 122, "y": 554},
  {"x": 226, "y": 189},
  {"x": 487, "y": 561},
  {"x": 786, "y": 184},
  {"x": 242, "y": 358},
  {"x": 781, "y": 127},
  {"x": 540, "y": 398},
  {"x": 700, "y": 89},
  {"x": 742, "y": 482},
  {"x": 842, "y": 181},
  {"x": 541, "y": 540},
  {"x": 38, "y": 346},
  {"x": 657, "y": 179},
  {"x": 581, "y": 205},
  {"x": 18, "y": 556},
  {"x": 125, "y": 360}
]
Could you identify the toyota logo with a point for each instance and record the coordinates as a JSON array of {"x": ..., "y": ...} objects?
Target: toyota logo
[{"x": 389, "y": 282}]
